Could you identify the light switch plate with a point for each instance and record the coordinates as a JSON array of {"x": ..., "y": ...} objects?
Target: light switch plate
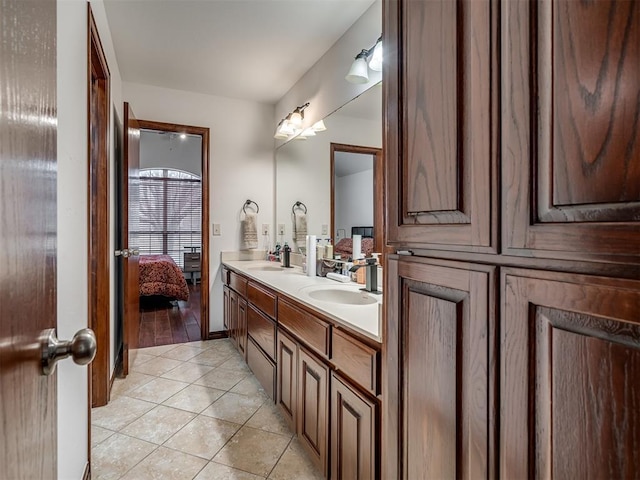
[
  {"x": 325, "y": 229},
  {"x": 281, "y": 229},
  {"x": 216, "y": 229},
  {"x": 265, "y": 229}
]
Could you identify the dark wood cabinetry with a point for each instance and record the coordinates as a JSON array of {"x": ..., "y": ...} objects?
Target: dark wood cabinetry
[
  {"x": 241, "y": 326},
  {"x": 313, "y": 403},
  {"x": 570, "y": 373},
  {"x": 287, "y": 378},
  {"x": 518, "y": 356},
  {"x": 353, "y": 433}
]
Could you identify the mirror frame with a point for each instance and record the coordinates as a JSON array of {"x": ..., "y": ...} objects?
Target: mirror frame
[{"x": 378, "y": 190}]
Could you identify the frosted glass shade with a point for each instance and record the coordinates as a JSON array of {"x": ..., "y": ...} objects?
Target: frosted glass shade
[
  {"x": 359, "y": 71},
  {"x": 376, "y": 59}
]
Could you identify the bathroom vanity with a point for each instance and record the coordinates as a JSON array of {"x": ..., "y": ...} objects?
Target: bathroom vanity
[{"x": 315, "y": 346}]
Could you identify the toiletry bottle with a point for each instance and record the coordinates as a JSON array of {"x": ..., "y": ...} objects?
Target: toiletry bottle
[
  {"x": 286, "y": 255},
  {"x": 328, "y": 250},
  {"x": 319, "y": 250}
]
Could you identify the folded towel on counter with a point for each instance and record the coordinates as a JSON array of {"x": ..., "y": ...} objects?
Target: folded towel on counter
[
  {"x": 249, "y": 231},
  {"x": 300, "y": 228}
]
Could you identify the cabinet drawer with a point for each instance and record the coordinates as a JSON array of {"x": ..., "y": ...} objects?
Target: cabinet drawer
[
  {"x": 262, "y": 367},
  {"x": 309, "y": 329},
  {"x": 192, "y": 256},
  {"x": 191, "y": 266},
  {"x": 262, "y": 330},
  {"x": 263, "y": 299},
  {"x": 238, "y": 283},
  {"x": 225, "y": 276},
  {"x": 356, "y": 360}
]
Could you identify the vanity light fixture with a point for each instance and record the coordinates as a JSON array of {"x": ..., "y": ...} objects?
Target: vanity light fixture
[
  {"x": 359, "y": 71},
  {"x": 319, "y": 126},
  {"x": 292, "y": 124}
]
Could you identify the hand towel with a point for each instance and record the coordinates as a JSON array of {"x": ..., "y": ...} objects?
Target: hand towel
[
  {"x": 300, "y": 228},
  {"x": 249, "y": 231}
]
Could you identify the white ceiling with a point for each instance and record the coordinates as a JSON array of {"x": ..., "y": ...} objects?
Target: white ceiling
[{"x": 250, "y": 49}]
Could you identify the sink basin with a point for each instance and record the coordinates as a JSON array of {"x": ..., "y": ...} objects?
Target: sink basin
[
  {"x": 344, "y": 297},
  {"x": 266, "y": 268}
]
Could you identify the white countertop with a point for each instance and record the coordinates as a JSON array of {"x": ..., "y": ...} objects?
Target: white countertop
[{"x": 365, "y": 319}]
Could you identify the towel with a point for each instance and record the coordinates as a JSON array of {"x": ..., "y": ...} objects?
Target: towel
[
  {"x": 300, "y": 228},
  {"x": 249, "y": 231}
]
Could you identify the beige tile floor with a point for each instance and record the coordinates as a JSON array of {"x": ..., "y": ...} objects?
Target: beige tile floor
[{"x": 193, "y": 411}]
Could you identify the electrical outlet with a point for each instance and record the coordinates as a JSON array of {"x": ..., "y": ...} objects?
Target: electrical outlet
[
  {"x": 216, "y": 229},
  {"x": 281, "y": 229},
  {"x": 325, "y": 229},
  {"x": 265, "y": 229}
]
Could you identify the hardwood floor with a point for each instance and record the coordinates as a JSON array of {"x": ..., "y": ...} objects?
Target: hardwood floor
[{"x": 165, "y": 322}]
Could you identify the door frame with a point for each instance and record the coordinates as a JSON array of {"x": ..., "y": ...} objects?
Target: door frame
[
  {"x": 98, "y": 220},
  {"x": 203, "y": 132},
  {"x": 378, "y": 190}
]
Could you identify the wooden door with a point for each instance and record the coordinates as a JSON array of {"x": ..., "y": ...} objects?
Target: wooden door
[
  {"x": 571, "y": 135},
  {"x": 569, "y": 371},
  {"x": 438, "y": 356},
  {"x": 353, "y": 433},
  {"x": 441, "y": 127},
  {"x": 313, "y": 403},
  {"x": 130, "y": 220},
  {"x": 28, "y": 406},
  {"x": 242, "y": 326},
  {"x": 233, "y": 317},
  {"x": 287, "y": 378},
  {"x": 226, "y": 309}
]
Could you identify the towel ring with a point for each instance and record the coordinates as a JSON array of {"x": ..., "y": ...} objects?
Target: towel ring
[
  {"x": 299, "y": 205},
  {"x": 248, "y": 203}
]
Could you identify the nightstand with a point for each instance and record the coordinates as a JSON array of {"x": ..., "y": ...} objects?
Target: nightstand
[{"x": 191, "y": 264}]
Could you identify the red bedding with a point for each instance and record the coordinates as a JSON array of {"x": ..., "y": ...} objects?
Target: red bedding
[
  {"x": 159, "y": 275},
  {"x": 345, "y": 247}
]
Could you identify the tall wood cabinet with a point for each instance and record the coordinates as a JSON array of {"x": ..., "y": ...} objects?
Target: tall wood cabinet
[{"x": 512, "y": 333}]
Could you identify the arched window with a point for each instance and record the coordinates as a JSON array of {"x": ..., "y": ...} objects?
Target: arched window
[{"x": 170, "y": 212}]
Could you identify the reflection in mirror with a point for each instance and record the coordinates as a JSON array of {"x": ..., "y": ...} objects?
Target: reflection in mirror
[{"x": 304, "y": 170}]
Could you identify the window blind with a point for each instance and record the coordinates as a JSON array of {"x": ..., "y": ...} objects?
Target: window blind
[{"x": 170, "y": 213}]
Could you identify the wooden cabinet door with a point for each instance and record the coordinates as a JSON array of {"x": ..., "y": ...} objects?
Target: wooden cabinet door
[
  {"x": 287, "y": 378},
  {"x": 233, "y": 317},
  {"x": 441, "y": 123},
  {"x": 241, "y": 335},
  {"x": 313, "y": 402},
  {"x": 571, "y": 129},
  {"x": 570, "y": 376},
  {"x": 353, "y": 433},
  {"x": 226, "y": 310},
  {"x": 438, "y": 359}
]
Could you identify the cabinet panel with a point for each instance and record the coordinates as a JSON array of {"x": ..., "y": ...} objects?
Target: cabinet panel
[
  {"x": 287, "y": 379},
  {"x": 263, "y": 331},
  {"x": 438, "y": 378},
  {"x": 238, "y": 283},
  {"x": 441, "y": 123},
  {"x": 571, "y": 138},
  {"x": 353, "y": 433},
  {"x": 261, "y": 298},
  {"x": 262, "y": 367},
  {"x": 570, "y": 373},
  {"x": 355, "y": 359},
  {"x": 313, "y": 398},
  {"x": 241, "y": 328},
  {"x": 308, "y": 328},
  {"x": 233, "y": 317},
  {"x": 226, "y": 309}
]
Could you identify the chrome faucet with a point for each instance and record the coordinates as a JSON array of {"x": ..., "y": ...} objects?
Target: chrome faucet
[{"x": 371, "y": 279}]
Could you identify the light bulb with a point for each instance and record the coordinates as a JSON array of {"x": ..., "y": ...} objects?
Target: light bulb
[{"x": 376, "y": 59}]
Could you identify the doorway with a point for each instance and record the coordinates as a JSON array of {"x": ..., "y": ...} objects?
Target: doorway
[{"x": 174, "y": 206}]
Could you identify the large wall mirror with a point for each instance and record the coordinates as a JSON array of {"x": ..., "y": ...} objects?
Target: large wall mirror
[{"x": 337, "y": 174}]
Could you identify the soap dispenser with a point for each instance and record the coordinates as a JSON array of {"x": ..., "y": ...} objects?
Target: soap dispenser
[{"x": 286, "y": 256}]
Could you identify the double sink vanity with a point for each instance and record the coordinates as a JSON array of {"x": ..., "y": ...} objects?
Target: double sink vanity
[{"x": 315, "y": 346}]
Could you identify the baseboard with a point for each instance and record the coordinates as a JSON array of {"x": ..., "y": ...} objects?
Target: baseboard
[
  {"x": 87, "y": 472},
  {"x": 217, "y": 335}
]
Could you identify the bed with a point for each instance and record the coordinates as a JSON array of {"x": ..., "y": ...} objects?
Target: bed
[
  {"x": 344, "y": 247},
  {"x": 159, "y": 275}
]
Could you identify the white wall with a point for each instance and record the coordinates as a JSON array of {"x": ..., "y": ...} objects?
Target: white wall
[
  {"x": 72, "y": 294},
  {"x": 303, "y": 169},
  {"x": 354, "y": 201},
  {"x": 170, "y": 151},
  {"x": 324, "y": 86},
  {"x": 241, "y": 161}
]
